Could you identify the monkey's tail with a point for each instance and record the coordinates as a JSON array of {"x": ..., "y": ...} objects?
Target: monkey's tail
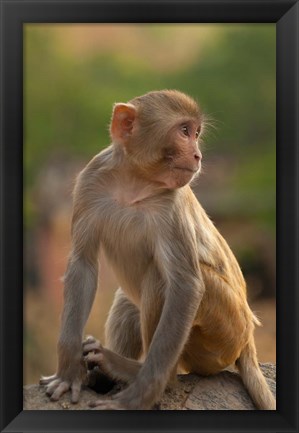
[{"x": 254, "y": 379}]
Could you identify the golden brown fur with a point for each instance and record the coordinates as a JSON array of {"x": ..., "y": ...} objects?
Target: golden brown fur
[{"x": 182, "y": 301}]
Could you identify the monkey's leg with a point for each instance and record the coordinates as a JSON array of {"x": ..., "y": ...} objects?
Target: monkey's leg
[
  {"x": 210, "y": 349},
  {"x": 122, "y": 328},
  {"x": 123, "y": 337},
  {"x": 201, "y": 356}
]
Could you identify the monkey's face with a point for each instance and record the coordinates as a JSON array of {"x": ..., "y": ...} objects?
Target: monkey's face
[
  {"x": 182, "y": 154},
  {"x": 159, "y": 134}
]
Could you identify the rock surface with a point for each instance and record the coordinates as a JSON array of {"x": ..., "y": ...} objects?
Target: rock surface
[{"x": 224, "y": 391}]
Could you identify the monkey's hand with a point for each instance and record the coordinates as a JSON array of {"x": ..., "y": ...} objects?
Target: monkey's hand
[{"x": 63, "y": 381}]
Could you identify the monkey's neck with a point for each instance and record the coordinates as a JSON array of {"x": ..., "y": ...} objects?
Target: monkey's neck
[
  {"x": 133, "y": 186},
  {"x": 134, "y": 192}
]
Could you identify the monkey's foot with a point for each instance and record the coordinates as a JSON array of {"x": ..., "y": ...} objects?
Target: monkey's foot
[
  {"x": 117, "y": 401},
  {"x": 99, "y": 359},
  {"x": 115, "y": 366},
  {"x": 95, "y": 355},
  {"x": 131, "y": 398},
  {"x": 91, "y": 344}
]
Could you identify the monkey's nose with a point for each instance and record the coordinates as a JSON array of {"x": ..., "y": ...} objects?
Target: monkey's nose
[{"x": 198, "y": 156}]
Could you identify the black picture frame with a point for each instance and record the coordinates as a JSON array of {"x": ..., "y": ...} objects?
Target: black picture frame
[{"x": 285, "y": 13}]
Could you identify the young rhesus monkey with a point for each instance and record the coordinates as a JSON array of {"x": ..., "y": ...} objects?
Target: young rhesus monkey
[{"x": 182, "y": 301}]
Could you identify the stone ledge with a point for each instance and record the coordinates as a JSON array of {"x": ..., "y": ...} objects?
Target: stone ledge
[{"x": 224, "y": 391}]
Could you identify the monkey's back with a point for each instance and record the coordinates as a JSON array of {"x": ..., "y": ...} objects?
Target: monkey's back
[{"x": 224, "y": 321}]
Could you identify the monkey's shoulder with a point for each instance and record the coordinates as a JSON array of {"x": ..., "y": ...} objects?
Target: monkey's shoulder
[{"x": 102, "y": 162}]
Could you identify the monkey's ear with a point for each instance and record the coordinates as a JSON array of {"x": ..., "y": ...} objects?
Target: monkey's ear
[{"x": 122, "y": 122}]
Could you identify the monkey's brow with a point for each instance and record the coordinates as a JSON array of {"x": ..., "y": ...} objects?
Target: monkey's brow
[{"x": 191, "y": 120}]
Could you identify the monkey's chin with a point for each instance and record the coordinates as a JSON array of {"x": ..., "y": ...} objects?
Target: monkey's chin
[{"x": 184, "y": 177}]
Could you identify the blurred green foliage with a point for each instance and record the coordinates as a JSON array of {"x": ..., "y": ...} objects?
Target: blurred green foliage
[{"x": 68, "y": 100}]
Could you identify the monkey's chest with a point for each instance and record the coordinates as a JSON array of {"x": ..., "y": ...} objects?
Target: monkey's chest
[{"x": 127, "y": 239}]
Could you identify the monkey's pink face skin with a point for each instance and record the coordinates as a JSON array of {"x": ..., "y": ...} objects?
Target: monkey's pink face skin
[{"x": 183, "y": 155}]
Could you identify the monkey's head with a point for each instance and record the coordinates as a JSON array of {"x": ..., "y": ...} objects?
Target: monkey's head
[{"x": 159, "y": 135}]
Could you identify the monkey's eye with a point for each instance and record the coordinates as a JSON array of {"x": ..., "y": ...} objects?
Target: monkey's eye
[
  {"x": 197, "y": 134},
  {"x": 185, "y": 130}
]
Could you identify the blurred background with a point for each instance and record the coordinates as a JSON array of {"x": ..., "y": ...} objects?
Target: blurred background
[{"x": 72, "y": 76}]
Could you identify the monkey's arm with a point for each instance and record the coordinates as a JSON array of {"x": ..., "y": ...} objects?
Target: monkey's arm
[
  {"x": 80, "y": 286},
  {"x": 183, "y": 293}
]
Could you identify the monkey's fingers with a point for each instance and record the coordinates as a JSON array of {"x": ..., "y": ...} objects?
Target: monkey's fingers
[
  {"x": 94, "y": 358},
  {"x": 52, "y": 386},
  {"x": 91, "y": 343},
  {"x": 60, "y": 390},
  {"x": 89, "y": 339},
  {"x": 45, "y": 380},
  {"x": 92, "y": 347},
  {"x": 76, "y": 388}
]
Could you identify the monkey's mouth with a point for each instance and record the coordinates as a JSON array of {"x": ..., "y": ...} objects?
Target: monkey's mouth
[{"x": 191, "y": 170}]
